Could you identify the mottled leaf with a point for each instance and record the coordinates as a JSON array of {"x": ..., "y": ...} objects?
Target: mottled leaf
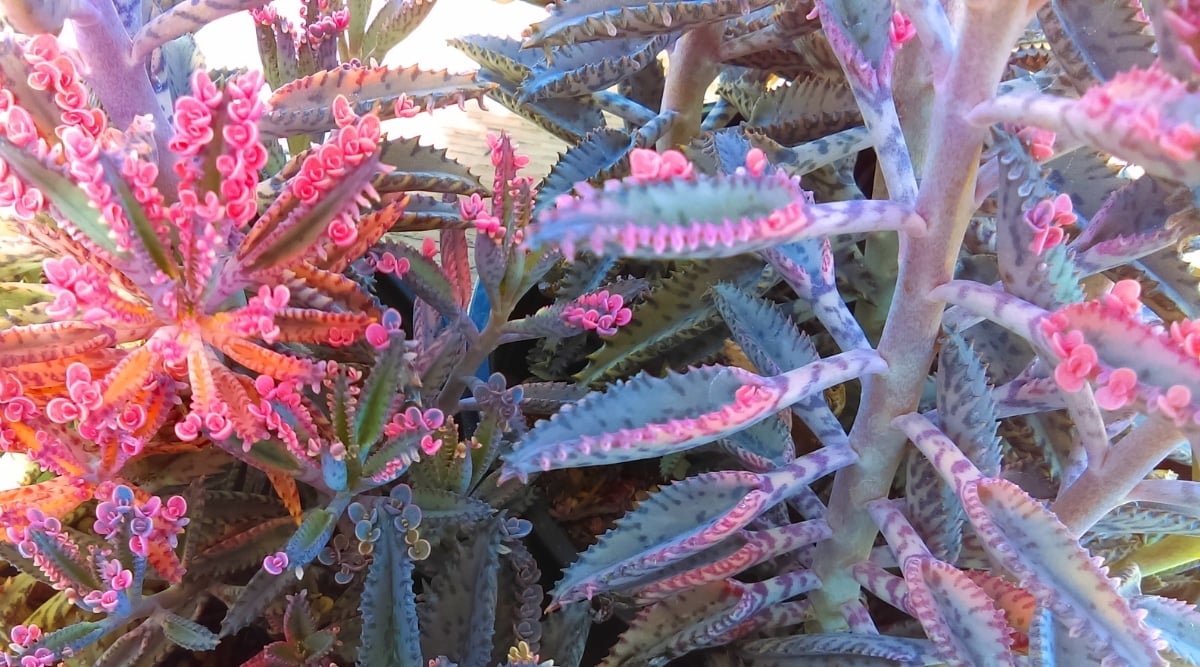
[
  {"x": 581, "y": 69},
  {"x": 587, "y": 20},
  {"x": 390, "y": 633},
  {"x": 1093, "y": 41},
  {"x": 458, "y": 608}
]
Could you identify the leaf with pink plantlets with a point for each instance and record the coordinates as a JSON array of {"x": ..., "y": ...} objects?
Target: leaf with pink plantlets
[
  {"x": 303, "y": 106},
  {"x": 665, "y": 210},
  {"x": 630, "y": 421},
  {"x": 841, "y": 648},
  {"x": 958, "y": 616},
  {"x": 1146, "y": 117}
]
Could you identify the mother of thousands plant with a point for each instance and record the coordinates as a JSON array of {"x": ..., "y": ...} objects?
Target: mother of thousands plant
[{"x": 276, "y": 413}]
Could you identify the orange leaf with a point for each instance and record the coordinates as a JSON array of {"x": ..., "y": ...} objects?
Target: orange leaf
[
  {"x": 285, "y": 486},
  {"x": 56, "y": 497}
]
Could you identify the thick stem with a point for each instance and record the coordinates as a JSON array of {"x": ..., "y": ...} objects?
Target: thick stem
[
  {"x": 1104, "y": 486},
  {"x": 693, "y": 67},
  {"x": 945, "y": 201}
]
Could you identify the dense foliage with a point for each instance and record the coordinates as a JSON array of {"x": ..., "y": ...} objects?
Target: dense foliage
[{"x": 294, "y": 390}]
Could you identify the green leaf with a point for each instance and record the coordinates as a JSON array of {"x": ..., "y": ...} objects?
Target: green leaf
[
  {"x": 582, "y": 69},
  {"x": 74, "y": 637},
  {"x": 188, "y": 634},
  {"x": 63, "y": 195},
  {"x": 601, "y": 155},
  {"x": 425, "y": 278},
  {"x": 312, "y": 536},
  {"x": 805, "y": 110},
  {"x": 381, "y": 392},
  {"x": 245, "y": 549},
  {"x": 423, "y": 168},
  {"x": 390, "y": 630},
  {"x": 304, "y": 106},
  {"x": 458, "y": 609}
]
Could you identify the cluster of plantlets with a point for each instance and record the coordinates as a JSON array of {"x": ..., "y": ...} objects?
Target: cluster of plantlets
[{"x": 268, "y": 424}]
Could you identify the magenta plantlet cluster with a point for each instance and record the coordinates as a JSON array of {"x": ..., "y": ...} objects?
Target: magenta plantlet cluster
[{"x": 852, "y": 332}]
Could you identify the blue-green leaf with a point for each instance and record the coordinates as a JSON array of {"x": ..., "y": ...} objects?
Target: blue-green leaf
[
  {"x": 188, "y": 634},
  {"x": 390, "y": 633},
  {"x": 458, "y": 609}
]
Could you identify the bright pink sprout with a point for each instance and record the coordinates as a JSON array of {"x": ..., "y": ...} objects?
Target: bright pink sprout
[
  {"x": 901, "y": 29},
  {"x": 599, "y": 312},
  {"x": 646, "y": 165},
  {"x": 1047, "y": 219}
]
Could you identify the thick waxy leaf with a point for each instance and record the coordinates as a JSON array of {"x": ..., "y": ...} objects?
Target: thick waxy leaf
[
  {"x": 458, "y": 608},
  {"x": 1134, "y": 518},
  {"x": 186, "y": 16},
  {"x": 243, "y": 550},
  {"x": 501, "y": 56},
  {"x": 685, "y": 519},
  {"x": 1146, "y": 117},
  {"x": 1094, "y": 41},
  {"x": 601, "y": 155},
  {"x": 709, "y": 216},
  {"x": 1178, "y": 622},
  {"x": 1136, "y": 220},
  {"x": 425, "y": 278},
  {"x": 1030, "y": 542},
  {"x": 806, "y": 110},
  {"x": 711, "y": 615},
  {"x": 188, "y": 634},
  {"x": 843, "y": 646},
  {"x": 1036, "y": 277},
  {"x": 423, "y": 168},
  {"x": 581, "y": 69},
  {"x": 588, "y": 20},
  {"x": 568, "y": 118},
  {"x": 957, "y": 614},
  {"x": 390, "y": 632},
  {"x": 630, "y": 421},
  {"x": 304, "y": 106},
  {"x": 383, "y": 386}
]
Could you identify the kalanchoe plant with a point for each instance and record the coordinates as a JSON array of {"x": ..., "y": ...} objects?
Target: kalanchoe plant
[{"x": 268, "y": 424}]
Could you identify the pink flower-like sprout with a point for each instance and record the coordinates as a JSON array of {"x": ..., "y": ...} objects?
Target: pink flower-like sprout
[
  {"x": 1047, "y": 219},
  {"x": 1175, "y": 403},
  {"x": 1073, "y": 371},
  {"x": 646, "y": 165},
  {"x": 1119, "y": 390},
  {"x": 599, "y": 312},
  {"x": 901, "y": 29}
]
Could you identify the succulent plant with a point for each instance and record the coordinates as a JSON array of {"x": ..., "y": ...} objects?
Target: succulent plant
[{"x": 298, "y": 391}]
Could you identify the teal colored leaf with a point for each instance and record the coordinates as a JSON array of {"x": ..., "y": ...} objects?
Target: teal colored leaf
[
  {"x": 390, "y": 632},
  {"x": 648, "y": 417},
  {"x": 1179, "y": 623},
  {"x": 581, "y": 69},
  {"x": 568, "y": 118},
  {"x": 768, "y": 336},
  {"x": 66, "y": 562},
  {"x": 188, "y": 634},
  {"x": 312, "y": 536},
  {"x": 423, "y": 168},
  {"x": 1050, "y": 279},
  {"x": 588, "y": 20},
  {"x": 600, "y": 155},
  {"x": 765, "y": 445},
  {"x": 502, "y": 57},
  {"x": 75, "y": 637},
  {"x": 458, "y": 608},
  {"x": 304, "y": 106},
  {"x": 395, "y": 21}
]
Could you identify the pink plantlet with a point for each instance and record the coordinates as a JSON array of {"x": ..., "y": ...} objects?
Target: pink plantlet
[
  {"x": 756, "y": 162},
  {"x": 900, "y": 30},
  {"x": 646, "y": 165},
  {"x": 1125, "y": 298},
  {"x": 1038, "y": 141},
  {"x": 276, "y": 563},
  {"x": 1073, "y": 372},
  {"x": 1118, "y": 389},
  {"x": 599, "y": 312},
  {"x": 377, "y": 336},
  {"x": 429, "y": 248},
  {"x": 404, "y": 107},
  {"x": 1047, "y": 219},
  {"x": 1175, "y": 403}
]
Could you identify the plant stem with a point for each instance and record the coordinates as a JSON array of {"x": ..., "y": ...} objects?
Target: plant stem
[
  {"x": 1107, "y": 482},
  {"x": 693, "y": 67},
  {"x": 946, "y": 202}
]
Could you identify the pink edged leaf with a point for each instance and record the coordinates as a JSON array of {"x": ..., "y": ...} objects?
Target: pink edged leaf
[
  {"x": 1030, "y": 542},
  {"x": 958, "y": 616},
  {"x": 1179, "y": 623},
  {"x": 303, "y": 106},
  {"x": 842, "y": 648},
  {"x": 688, "y": 518},
  {"x": 704, "y": 216},
  {"x": 1141, "y": 217},
  {"x": 702, "y": 617},
  {"x": 631, "y": 421},
  {"x": 1146, "y": 117}
]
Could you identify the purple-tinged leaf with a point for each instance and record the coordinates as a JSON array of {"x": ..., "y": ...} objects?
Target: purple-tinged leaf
[
  {"x": 765, "y": 445},
  {"x": 304, "y": 106},
  {"x": 1142, "y": 116},
  {"x": 806, "y": 110},
  {"x": 630, "y": 421},
  {"x": 546, "y": 398},
  {"x": 426, "y": 279},
  {"x": 687, "y": 518},
  {"x": 1094, "y": 41},
  {"x": 390, "y": 630},
  {"x": 708, "y": 216},
  {"x": 958, "y": 616},
  {"x": 1141, "y": 208},
  {"x": 185, "y": 17},
  {"x": 589, "y": 20},
  {"x": 1031, "y": 543},
  {"x": 1135, "y": 518},
  {"x": 842, "y": 648},
  {"x": 1172, "y": 35},
  {"x": 1176, "y": 281}
]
